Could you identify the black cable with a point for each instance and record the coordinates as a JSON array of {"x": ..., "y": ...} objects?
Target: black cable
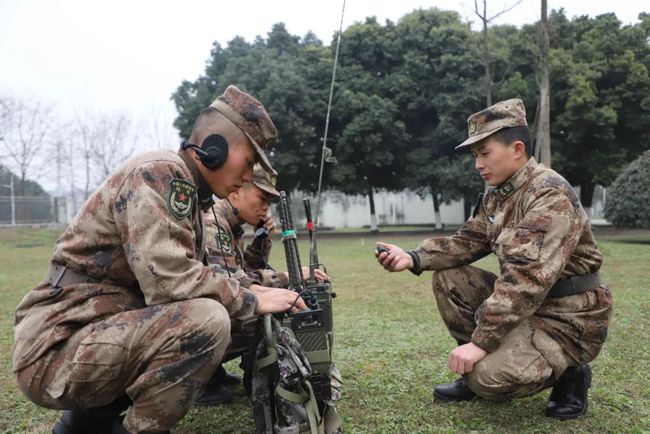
[{"x": 223, "y": 254}]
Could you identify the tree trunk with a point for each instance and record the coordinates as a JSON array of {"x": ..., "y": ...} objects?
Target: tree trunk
[
  {"x": 87, "y": 187},
  {"x": 436, "y": 209},
  {"x": 373, "y": 216},
  {"x": 486, "y": 58},
  {"x": 543, "y": 137}
]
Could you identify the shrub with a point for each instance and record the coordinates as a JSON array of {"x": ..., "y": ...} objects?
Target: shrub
[{"x": 628, "y": 198}]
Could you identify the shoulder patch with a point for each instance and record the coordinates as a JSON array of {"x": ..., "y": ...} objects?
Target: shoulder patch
[
  {"x": 224, "y": 241},
  {"x": 181, "y": 198}
]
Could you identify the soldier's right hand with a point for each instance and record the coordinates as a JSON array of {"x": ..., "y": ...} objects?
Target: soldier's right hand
[
  {"x": 274, "y": 300},
  {"x": 394, "y": 258}
]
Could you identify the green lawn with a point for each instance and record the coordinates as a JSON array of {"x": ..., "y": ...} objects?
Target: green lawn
[{"x": 391, "y": 348}]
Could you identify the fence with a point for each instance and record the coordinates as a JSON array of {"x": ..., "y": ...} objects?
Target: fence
[{"x": 29, "y": 210}]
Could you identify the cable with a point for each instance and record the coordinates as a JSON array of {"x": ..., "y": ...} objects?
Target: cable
[{"x": 223, "y": 254}]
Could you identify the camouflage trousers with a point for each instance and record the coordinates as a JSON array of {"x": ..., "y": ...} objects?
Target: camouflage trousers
[
  {"x": 160, "y": 356},
  {"x": 527, "y": 359}
]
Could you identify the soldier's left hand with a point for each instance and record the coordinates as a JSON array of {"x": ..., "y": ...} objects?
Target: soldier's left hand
[
  {"x": 319, "y": 274},
  {"x": 464, "y": 357}
]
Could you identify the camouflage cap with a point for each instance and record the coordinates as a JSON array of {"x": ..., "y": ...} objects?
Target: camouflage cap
[
  {"x": 265, "y": 181},
  {"x": 504, "y": 114},
  {"x": 250, "y": 116}
]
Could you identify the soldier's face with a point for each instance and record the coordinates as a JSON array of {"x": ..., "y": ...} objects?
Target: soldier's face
[
  {"x": 252, "y": 202},
  {"x": 494, "y": 161},
  {"x": 238, "y": 167}
]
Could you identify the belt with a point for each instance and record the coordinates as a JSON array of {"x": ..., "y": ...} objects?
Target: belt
[
  {"x": 60, "y": 276},
  {"x": 574, "y": 285}
]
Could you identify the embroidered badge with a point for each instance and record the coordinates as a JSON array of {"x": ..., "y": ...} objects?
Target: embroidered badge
[
  {"x": 224, "y": 241},
  {"x": 181, "y": 198},
  {"x": 471, "y": 126}
]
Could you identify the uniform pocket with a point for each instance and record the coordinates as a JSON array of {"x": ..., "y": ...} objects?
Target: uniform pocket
[
  {"x": 521, "y": 244},
  {"x": 551, "y": 350}
]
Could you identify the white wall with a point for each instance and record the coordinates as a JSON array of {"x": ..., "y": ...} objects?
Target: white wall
[{"x": 402, "y": 208}]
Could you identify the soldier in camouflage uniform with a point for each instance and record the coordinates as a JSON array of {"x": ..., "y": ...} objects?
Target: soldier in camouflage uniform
[
  {"x": 225, "y": 244},
  {"x": 130, "y": 315},
  {"x": 546, "y": 315}
]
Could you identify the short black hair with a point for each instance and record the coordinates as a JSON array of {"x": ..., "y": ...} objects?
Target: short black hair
[
  {"x": 508, "y": 135},
  {"x": 205, "y": 118}
]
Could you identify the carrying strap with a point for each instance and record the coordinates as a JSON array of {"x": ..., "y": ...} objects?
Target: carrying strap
[
  {"x": 574, "y": 285},
  {"x": 308, "y": 400}
]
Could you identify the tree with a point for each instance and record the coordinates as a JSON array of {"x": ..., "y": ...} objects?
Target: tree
[
  {"x": 601, "y": 103},
  {"x": 115, "y": 142},
  {"x": 28, "y": 125},
  {"x": 628, "y": 199},
  {"x": 485, "y": 49},
  {"x": 543, "y": 126}
]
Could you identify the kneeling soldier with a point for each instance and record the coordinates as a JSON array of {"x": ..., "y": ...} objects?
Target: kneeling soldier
[
  {"x": 130, "y": 315},
  {"x": 539, "y": 322},
  {"x": 225, "y": 243}
]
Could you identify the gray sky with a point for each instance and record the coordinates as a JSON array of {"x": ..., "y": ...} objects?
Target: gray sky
[{"x": 130, "y": 55}]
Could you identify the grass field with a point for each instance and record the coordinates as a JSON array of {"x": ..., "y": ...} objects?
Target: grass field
[{"x": 391, "y": 347}]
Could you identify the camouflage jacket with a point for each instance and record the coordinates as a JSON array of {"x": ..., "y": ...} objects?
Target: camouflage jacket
[
  {"x": 229, "y": 236},
  {"x": 139, "y": 235},
  {"x": 540, "y": 233}
]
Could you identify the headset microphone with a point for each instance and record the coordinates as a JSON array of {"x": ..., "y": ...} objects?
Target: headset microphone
[{"x": 200, "y": 152}]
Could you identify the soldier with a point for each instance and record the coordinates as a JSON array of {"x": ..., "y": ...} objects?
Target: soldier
[
  {"x": 224, "y": 238},
  {"x": 129, "y": 314},
  {"x": 539, "y": 322}
]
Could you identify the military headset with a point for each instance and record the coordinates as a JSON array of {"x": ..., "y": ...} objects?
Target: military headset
[{"x": 212, "y": 153}]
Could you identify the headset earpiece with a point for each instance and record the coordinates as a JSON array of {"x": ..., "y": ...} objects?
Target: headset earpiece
[{"x": 215, "y": 148}]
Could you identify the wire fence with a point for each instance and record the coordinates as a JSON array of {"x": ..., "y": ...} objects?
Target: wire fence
[{"x": 30, "y": 210}]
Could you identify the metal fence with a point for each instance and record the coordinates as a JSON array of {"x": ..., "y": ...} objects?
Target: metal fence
[{"x": 29, "y": 210}]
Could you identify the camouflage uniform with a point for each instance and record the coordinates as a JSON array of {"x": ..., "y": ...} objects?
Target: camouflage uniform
[
  {"x": 137, "y": 311},
  {"x": 225, "y": 246},
  {"x": 540, "y": 233}
]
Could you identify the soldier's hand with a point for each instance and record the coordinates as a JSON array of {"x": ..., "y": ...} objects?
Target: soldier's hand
[
  {"x": 319, "y": 274},
  {"x": 464, "y": 357},
  {"x": 394, "y": 258},
  {"x": 274, "y": 300},
  {"x": 269, "y": 224}
]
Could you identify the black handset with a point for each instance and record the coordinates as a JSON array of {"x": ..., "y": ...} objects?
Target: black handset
[
  {"x": 260, "y": 230},
  {"x": 382, "y": 249}
]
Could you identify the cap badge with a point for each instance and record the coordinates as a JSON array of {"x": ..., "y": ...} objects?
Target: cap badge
[{"x": 472, "y": 126}]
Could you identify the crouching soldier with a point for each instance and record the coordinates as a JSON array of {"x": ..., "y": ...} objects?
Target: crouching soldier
[
  {"x": 250, "y": 204},
  {"x": 130, "y": 316},
  {"x": 546, "y": 315}
]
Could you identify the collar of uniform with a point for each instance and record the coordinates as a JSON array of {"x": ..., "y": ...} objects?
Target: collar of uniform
[
  {"x": 517, "y": 180},
  {"x": 203, "y": 191},
  {"x": 223, "y": 208}
]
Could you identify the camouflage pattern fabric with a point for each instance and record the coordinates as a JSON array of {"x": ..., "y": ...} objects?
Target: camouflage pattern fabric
[
  {"x": 140, "y": 237},
  {"x": 227, "y": 235},
  {"x": 540, "y": 233},
  {"x": 282, "y": 400}
]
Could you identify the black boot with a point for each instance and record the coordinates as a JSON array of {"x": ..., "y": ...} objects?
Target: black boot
[
  {"x": 215, "y": 391},
  {"x": 225, "y": 378},
  {"x": 96, "y": 420},
  {"x": 569, "y": 396},
  {"x": 456, "y": 391}
]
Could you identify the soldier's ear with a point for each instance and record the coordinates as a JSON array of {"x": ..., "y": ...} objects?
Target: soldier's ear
[{"x": 519, "y": 149}]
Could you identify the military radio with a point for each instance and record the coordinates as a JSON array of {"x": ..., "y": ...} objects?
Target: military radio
[{"x": 312, "y": 327}]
